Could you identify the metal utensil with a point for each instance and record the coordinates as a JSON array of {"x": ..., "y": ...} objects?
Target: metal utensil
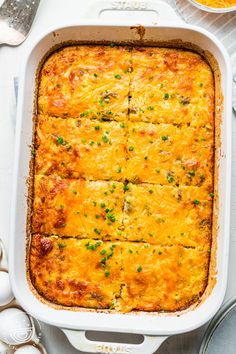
[{"x": 16, "y": 18}]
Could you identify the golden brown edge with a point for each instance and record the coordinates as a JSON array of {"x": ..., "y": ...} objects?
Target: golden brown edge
[{"x": 210, "y": 59}]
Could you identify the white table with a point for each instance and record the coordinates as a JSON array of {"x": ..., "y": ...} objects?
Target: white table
[{"x": 52, "y": 12}]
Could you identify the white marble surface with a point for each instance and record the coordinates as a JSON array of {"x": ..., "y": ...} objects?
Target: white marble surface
[{"x": 51, "y": 12}]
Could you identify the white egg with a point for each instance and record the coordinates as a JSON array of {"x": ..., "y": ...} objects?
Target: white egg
[
  {"x": 3, "y": 348},
  {"x": 15, "y": 326},
  {"x": 6, "y": 295},
  {"x": 27, "y": 349}
]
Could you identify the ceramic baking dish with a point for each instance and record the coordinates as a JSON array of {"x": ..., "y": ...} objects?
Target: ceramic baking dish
[{"x": 154, "y": 326}]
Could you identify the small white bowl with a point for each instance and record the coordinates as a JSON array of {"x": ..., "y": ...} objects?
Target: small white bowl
[{"x": 213, "y": 9}]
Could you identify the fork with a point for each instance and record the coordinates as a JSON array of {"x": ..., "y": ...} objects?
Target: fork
[{"x": 16, "y": 18}]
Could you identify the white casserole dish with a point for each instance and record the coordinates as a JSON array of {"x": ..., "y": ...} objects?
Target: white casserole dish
[{"x": 155, "y": 327}]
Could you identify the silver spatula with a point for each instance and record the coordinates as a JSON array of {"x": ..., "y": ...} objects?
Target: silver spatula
[{"x": 16, "y": 18}]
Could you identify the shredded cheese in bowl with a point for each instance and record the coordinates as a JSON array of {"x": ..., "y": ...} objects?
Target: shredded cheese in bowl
[{"x": 216, "y": 5}]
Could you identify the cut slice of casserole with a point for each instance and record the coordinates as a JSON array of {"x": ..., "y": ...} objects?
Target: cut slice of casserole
[
  {"x": 86, "y": 81},
  {"x": 166, "y": 215},
  {"x": 75, "y": 272},
  {"x": 81, "y": 148},
  {"x": 78, "y": 208},
  {"x": 171, "y": 155},
  {"x": 161, "y": 278},
  {"x": 171, "y": 86}
]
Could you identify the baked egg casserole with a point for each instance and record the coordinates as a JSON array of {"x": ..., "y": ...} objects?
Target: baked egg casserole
[{"x": 123, "y": 178}]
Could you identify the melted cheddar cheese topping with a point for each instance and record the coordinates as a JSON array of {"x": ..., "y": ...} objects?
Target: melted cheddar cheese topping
[
  {"x": 79, "y": 208},
  {"x": 221, "y": 4},
  {"x": 158, "y": 278},
  {"x": 81, "y": 148},
  {"x": 162, "y": 278},
  {"x": 123, "y": 178},
  {"x": 165, "y": 215},
  {"x": 86, "y": 81},
  {"x": 171, "y": 86},
  {"x": 76, "y": 272},
  {"x": 168, "y": 154}
]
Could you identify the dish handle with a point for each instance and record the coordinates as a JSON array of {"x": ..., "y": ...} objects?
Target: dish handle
[
  {"x": 157, "y": 11},
  {"x": 79, "y": 340}
]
